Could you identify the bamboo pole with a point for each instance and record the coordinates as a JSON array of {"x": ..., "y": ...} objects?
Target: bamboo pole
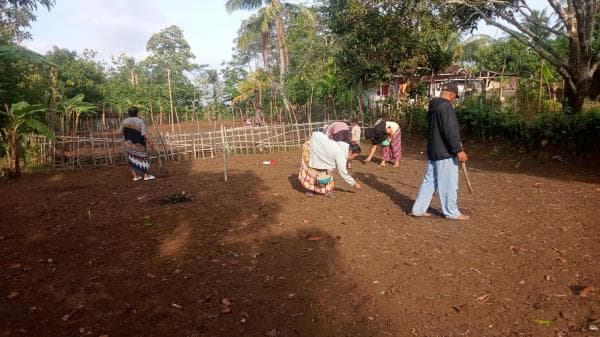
[
  {"x": 202, "y": 145},
  {"x": 253, "y": 141},
  {"x": 224, "y": 153},
  {"x": 93, "y": 153}
]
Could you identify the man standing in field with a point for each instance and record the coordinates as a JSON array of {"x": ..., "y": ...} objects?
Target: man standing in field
[{"x": 444, "y": 152}]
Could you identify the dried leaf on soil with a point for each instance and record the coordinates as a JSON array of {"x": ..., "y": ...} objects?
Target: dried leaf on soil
[
  {"x": 225, "y": 310},
  {"x": 226, "y": 301},
  {"x": 314, "y": 238}
]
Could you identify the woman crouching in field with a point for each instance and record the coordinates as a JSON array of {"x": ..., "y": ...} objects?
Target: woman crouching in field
[
  {"x": 134, "y": 132},
  {"x": 320, "y": 156}
]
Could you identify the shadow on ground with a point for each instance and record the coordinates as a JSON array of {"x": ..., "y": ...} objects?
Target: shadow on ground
[
  {"x": 404, "y": 202},
  {"x": 98, "y": 254}
]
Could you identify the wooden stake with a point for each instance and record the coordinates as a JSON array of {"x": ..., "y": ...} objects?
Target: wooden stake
[{"x": 224, "y": 153}]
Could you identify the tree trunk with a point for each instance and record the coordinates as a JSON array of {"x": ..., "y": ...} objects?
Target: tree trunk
[
  {"x": 541, "y": 85},
  {"x": 502, "y": 78},
  {"x": 283, "y": 58},
  {"x": 171, "y": 101},
  {"x": 14, "y": 169},
  {"x": 574, "y": 100},
  {"x": 194, "y": 106},
  {"x": 103, "y": 115},
  {"x": 266, "y": 44}
]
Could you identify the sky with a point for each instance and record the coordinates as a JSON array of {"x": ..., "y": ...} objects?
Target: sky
[{"x": 112, "y": 27}]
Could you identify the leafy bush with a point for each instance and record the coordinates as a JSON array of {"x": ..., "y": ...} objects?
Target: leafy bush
[
  {"x": 567, "y": 134},
  {"x": 416, "y": 118}
]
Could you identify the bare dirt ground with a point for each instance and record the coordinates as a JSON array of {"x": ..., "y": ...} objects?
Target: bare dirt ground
[{"x": 91, "y": 253}]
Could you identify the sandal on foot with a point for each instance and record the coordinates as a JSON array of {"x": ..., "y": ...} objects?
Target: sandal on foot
[
  {"x": 149, "y": 177},
  {"x": 137, "y": 178}
]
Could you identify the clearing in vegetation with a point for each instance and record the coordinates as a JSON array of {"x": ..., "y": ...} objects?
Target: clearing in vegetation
[{"x": 93, "y": 253}]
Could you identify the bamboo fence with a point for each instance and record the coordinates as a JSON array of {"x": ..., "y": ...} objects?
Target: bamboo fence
[{"x": 106, "y": 148}]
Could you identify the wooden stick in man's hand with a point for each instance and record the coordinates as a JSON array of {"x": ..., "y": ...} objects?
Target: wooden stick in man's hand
[{"x": 466, "y": 174}]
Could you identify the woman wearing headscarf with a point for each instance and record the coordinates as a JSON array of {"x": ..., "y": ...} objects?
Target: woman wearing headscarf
[
  {"x": 389, "y": 136},
  {"x": 393, "y": 151},
  {"x": 134, "y": 132},
  {"x": 320, "y": 156}
]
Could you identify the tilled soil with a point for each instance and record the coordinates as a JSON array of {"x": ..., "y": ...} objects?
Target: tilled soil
[{"x": 92, "y": 253}]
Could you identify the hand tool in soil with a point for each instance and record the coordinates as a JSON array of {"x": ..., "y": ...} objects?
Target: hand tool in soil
[{"x": 463, "y": 165}]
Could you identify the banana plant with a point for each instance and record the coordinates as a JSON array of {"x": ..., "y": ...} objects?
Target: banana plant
[
  {"x": 74, "y": 108},
  {"x": 16, "y": 122}
]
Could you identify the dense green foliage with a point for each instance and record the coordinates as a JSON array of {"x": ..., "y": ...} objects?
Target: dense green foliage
[
  {"x": 19, "y": 120},
  {"x": 567, "y": 134},
  {"x": 555, "y": 131}
]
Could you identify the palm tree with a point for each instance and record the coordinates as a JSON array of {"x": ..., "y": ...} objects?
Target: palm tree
[
  {"x": 257, "y": 30},
  {"x": 473, "y": 49},
  {"x": 250, "y": 87},
  {"x": 273, "y": 11},
  {"x": 18, "y": 120}
]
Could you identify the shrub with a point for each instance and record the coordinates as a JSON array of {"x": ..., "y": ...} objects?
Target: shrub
[
  {"x": 554, "y": 130},
  {"x": 569, "y": 134}
]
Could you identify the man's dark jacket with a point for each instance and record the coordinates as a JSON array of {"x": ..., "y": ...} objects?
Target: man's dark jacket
[{"x": 443, "y": 138}]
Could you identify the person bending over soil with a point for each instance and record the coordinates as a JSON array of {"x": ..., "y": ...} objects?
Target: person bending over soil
[
  {"x": 320, "y": 156},
  {"x": 388, "y": 135}
]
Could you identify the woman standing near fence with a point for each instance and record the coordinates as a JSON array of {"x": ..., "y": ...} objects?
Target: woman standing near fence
[{"x": 134, "y": 132}]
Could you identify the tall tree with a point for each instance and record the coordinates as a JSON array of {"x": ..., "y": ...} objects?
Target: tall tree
[
  {"x": 579, "y": 65},
  {"x": 256, "y": 32},
  {"x": 77, "y": 74},
  {"x": 274, "y": 10},
  {"x": 170, "y": 57},
  {"x": 23, "y": 75},
  {"x": 382, "y": 38},
  {"x": 15, "y": 15},
  {"x": 473, "y": 49},
  {"x": 169, "y": 50}
]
